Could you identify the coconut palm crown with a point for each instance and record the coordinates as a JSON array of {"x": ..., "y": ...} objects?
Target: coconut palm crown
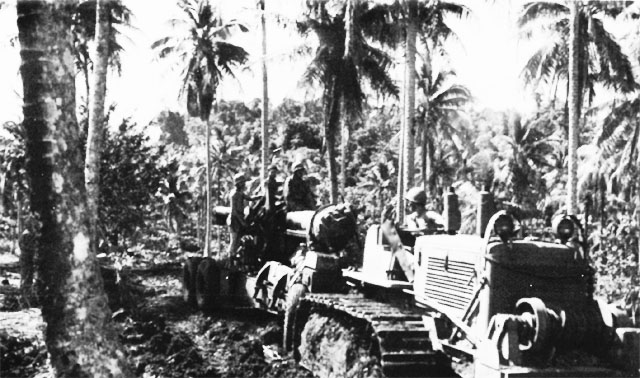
[
  {"x": 439, "y": 111},
  {"x": 207, "y": 55},
  {"x": 341, "y": 75},
  {"x": 601, "y": 59},
  {"x": 199, "y": 43}
]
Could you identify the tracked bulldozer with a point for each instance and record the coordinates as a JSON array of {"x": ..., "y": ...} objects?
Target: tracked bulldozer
[{"x": 438, "y": 303}]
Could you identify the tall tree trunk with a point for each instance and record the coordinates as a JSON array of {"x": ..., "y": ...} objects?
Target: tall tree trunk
[
  {"x": 265, "y": 98},
  {"x": 207, "y": 226},
  {"x": 427, "y": 148},
  {"x": 332, "y": 120},
  {"x": 423, "y": 159},
  {"x": 3, "y": 183},
  {"x": 19, "y": 220},
  {"x": 79, "y": 335},
  {"x": 574, "y": 109},
  {"x": 410, "y": 97},
  {"x": 638, "y": 214},
  {"x": 431, "y": 178},
  {"x": 348, "y": 24},
  {"x": 84, "y": 66},
  {"x": 400, "y": 207},
  {"x": 348, "y": 59},
  {"x": 96, "y": 115},
  {"x": 344, "y": 147}
]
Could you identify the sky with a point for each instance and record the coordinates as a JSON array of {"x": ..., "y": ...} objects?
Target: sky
[{"x": 488, "y": 58}]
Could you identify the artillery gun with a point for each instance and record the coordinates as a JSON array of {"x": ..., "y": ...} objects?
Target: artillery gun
[
  {"x": 276, "y": 250},
  {"x": 499, "y": 305}
]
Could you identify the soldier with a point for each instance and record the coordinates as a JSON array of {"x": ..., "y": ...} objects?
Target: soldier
[
  {"x": 236, "y": 221},
  {"x": 419, "y": 218},
  {"x": 271, "y": 188},
  {"x": 297, "y": 193}
]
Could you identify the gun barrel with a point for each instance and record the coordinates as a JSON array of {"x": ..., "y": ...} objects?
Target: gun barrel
[{"x": 300, "y": 220}]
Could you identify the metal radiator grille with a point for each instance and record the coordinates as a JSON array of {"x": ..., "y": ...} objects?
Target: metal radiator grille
[{"x": 449, "y": 282}]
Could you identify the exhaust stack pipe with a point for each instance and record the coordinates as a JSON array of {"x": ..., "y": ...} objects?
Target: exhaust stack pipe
[{"x": 486, "y": 209}]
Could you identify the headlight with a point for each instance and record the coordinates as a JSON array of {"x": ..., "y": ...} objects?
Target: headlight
[
  {"x": 504, "y": 227},
  {"x": 563, "y": 227}
]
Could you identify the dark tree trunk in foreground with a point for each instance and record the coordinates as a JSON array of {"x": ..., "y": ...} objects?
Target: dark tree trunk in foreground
[{"x": 79, "y": 335}]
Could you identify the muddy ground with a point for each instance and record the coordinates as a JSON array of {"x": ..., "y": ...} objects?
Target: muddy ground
[{"x": 163, "y": 336}]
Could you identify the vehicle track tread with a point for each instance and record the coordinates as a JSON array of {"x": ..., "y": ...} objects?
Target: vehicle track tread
[{"x": 404, "y": 344}]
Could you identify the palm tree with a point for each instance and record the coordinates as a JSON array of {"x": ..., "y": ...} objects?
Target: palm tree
[
  {"x": 340, "y": 76},
  {"x": 349, "y": 45},
  {"x": 619, "y": 148},
  {"x": 85, "y": 21},
  {"x": 207, "y": 58},
  {"x": 96, "y": 111},
  {"x": 265, "y": 94},
  {"x": 439, "y": 113},
  {"x": 582, "y": 51},
  {"x": 530, "y": 149},
  {"x": 618, "y": 141},
  {"x": 408, "y": 19},
  {"x": 575, "y": 102},
  {"x": 79, "y": 335}
]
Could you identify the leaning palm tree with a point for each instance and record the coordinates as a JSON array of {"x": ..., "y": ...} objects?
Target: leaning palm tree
[
  {"x": 96, "y": 94},
  {"x": 114, "y": 15},
  {"x": 341, "y": 75},
  {"x": 583, "y": 52},
  {"x": 95, "y": 20},
  {"x": 199, "y": 44}
]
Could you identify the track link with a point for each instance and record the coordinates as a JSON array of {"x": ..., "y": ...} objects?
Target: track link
[{"x": 404, "y": 342}]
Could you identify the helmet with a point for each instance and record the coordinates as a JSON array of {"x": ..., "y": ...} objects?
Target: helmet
[
  {"x": 298, "y": 166},
  {"x": 416, "y": 195},
  {"x": 239, "y": 178}
]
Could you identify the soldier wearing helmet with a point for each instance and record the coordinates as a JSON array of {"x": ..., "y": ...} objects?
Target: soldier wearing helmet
[
  {"x": 236, "y": 220},
  {"x": 271, "y": 187},
  {"x": 419, "y": 218},
  {"x": 297, "y": 193}
]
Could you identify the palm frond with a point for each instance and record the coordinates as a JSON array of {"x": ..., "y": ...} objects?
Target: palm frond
[
  {"x": 456, "y": 95},
  {"x": 382, "y": 23},
  {"x": 541, "y": 9},
  {"x": 229, "y": 55},
  {"x": 545, "y": 64},
  {"x": 609, "y": 8},
  {"x": 626, "y": 158},
  {"x": 615, "y": 68},
  {"x": 614, "y": 126}
]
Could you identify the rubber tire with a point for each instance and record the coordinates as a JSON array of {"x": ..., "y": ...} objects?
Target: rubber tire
[
  {"x": 207, "y": 284},
  {"x": 295, "y": 293},
  {"x": 189, "y": 271}
]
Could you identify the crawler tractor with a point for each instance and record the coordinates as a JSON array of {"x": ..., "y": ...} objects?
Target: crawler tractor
[{"x": 503, "y": 304}]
